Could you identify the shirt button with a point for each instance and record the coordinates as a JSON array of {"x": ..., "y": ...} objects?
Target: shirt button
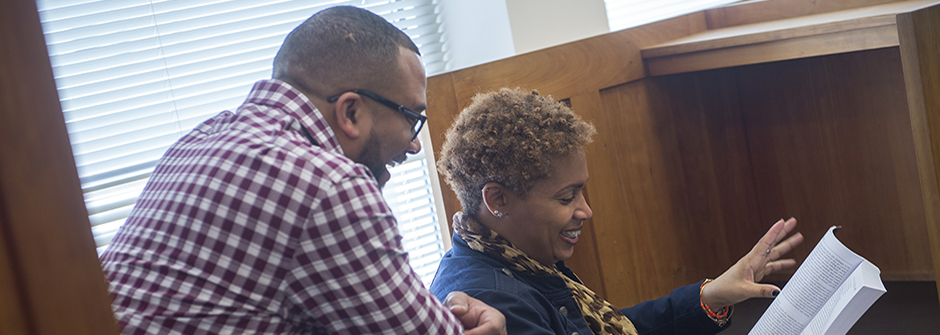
[
  {"x": 507, "y": 272},
  {"x": 576, "y": 333},
  {"x": 563, "y": 310}
]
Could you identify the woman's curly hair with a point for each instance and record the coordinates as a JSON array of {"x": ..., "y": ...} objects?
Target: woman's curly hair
[{"x": 510, "y": 137}]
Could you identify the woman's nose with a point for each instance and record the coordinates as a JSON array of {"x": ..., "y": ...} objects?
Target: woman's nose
[{"x": 586, "y": 212}]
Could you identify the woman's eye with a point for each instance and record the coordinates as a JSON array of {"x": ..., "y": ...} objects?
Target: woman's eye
[{"x": 567, "y": 200}]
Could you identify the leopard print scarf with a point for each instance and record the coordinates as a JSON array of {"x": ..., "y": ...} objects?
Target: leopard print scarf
[{"x": 602, "y": 317}]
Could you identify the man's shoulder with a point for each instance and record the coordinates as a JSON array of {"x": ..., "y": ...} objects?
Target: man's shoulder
[
  {"x": 327, "y": 164},
  {"x": 276, "y": 138}
]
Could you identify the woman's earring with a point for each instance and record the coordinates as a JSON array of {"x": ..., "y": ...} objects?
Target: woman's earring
[{"x": 498, "y": 213}]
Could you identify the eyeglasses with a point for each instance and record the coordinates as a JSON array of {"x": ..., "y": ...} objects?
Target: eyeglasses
[{"x": 417, "y": 119}]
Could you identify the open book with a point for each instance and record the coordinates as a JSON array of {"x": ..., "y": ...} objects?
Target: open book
[{"x": 827, "y": 294}]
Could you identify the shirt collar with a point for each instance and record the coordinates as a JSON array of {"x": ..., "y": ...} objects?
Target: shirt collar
[{"x": 281, "y": 95}]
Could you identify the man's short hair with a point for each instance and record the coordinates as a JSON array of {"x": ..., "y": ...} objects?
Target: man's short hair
[{"x": 341, "y": 48}]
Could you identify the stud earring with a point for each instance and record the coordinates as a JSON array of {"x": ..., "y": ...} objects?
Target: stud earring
[{"x": 498, "y": 213}]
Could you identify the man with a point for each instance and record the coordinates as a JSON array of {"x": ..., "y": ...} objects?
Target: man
[{"x": 271, "y": 221}]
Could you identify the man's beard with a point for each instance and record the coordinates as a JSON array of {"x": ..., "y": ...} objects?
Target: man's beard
[{"x": 370, "y": 158}]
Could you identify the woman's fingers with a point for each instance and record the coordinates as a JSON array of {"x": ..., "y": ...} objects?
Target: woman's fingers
[
  {"x": 786, "y": 246},
  {"x": 769, "y": 239},
  {"x": 775, "y": 266},
  {"x": 770, "y": 245},
  {"x": 788, "y": 227},
  {"x": 741, "y": 281},
  {"x": 768, "y": 291}
]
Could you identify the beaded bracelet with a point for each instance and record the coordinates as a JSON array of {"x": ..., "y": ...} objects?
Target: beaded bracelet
[{"x": 723, "y": 316}]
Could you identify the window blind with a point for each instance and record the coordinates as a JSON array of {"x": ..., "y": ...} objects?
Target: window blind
[
  {"x": 410, "y": 196},
  {"x": 622, "y": 14},
  {"x": 134, "y": 76}
]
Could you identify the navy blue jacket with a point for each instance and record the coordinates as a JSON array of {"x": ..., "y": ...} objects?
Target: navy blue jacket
[{"x": 539, "y": 304}]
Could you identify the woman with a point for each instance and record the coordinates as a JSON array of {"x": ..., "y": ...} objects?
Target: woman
[{"x": 516, "y": 162}]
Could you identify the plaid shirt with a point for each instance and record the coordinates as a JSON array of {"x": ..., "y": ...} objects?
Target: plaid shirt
[{"x": 246, "y": 227}]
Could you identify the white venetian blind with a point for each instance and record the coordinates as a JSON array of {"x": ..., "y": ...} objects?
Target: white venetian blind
[
  {"x": 410, "y": 196},
  {"x": 135, "y": 75},
  {"x": 622, "y": 14}
]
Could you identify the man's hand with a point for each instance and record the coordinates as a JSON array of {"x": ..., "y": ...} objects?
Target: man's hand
[{"x": 477, "y": 317}]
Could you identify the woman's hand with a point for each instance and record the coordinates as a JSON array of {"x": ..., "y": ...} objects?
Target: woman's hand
[{"x": 740, "y": 282}]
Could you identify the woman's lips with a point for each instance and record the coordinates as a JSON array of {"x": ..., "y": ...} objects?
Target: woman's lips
[{"x": 571, "y": 235}]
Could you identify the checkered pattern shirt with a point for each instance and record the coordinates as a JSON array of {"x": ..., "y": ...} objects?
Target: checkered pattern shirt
[{"x": 246, "y": 227}]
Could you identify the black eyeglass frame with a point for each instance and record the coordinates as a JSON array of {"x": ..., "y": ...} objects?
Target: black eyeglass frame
[{"x": 419, "y": 119}]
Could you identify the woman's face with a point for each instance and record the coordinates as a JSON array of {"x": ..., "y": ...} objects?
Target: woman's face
[{"x": 546, "y": 223}]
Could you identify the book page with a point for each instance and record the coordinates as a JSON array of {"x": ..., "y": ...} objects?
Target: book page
[
  {"x": 847, "y": 305},
  {"x": 836, "y": 303},
  {"x": 820, "y": 275}
]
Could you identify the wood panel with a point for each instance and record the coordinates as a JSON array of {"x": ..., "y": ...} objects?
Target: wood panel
[
  {"x": 800, "y": 37},
  {"x": 717, "y": 183},
  {"x": 586, "y": 261},
  {"x": 920, "y": 59},
  {"x": 831, "y": 144},
  {"x": 794, "y": 48},
  {"x": 577, "y": 67},
  {"x": 12, "y": 318},
  {"x": 442, "y": 110},
  {"x": 46, "y": 232},
  {"x": 763, "y": 32},
  {"x": 749, "y": 12},
  {"x": 677, "y": 188},
  {"x": 632, "y": 208}
]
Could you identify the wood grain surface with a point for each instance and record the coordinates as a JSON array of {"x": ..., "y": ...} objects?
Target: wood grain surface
[
  {"x": 920, "y": 58},
  {"x": 442, "y": 110},
  {"x": 791, "y": 38},
  {"x": 781, "y": 30},
  {"x": 12, "y": 317},
  {"x": 46, "y": 236},
  {"x": 587, "y": 260},
  {"x": 776, "y": 50},
  {"x": 831, "y": 144},
  {"x": 748, "y": 12}
]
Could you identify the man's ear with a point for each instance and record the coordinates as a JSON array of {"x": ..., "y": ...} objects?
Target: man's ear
[
  {"x": 495, "y": 197},
  {"x": 351, "y": 115}
]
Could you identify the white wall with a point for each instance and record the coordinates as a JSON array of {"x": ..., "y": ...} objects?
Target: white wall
[
  {"x": 476, "y": 31},
  {"x": 494, "y": 29},
  {"x": 538, "y": 24}
]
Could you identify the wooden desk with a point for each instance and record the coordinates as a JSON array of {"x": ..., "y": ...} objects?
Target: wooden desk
[{"x": 713, "y": 125}]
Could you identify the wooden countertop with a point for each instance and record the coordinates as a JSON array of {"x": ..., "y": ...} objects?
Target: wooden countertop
[{"x": 807, "y": 36}]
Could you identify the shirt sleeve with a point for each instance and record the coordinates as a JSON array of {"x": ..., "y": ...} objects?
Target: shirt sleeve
[
  {"x": 351, "y": 274},
  {"x": 677, "y": 313}
]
